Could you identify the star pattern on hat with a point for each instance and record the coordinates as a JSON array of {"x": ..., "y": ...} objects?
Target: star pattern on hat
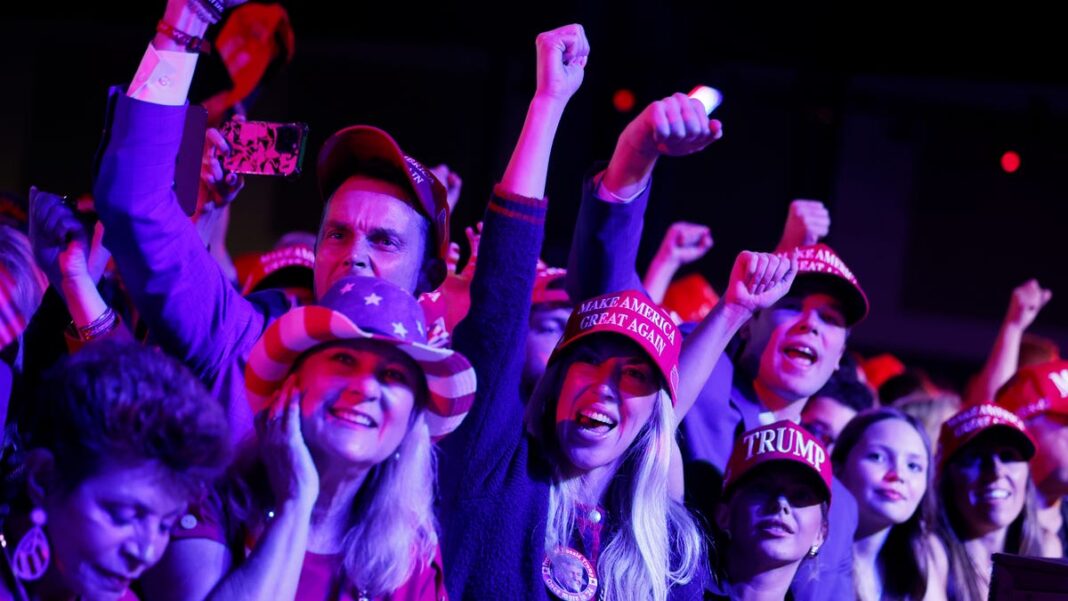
[
  {"x": 347, "y": 288},
  {"x": 399, "y": 329},
  {"x": 372, "y": 299},
  {"x": 419, "y": 326}
]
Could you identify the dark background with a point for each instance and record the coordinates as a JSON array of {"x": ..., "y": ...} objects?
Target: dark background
[{"x": 896, "y": 117}]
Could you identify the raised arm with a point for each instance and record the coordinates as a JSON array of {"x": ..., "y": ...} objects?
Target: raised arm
[
  {"x": 758, "y": 281},
  {"x": 683, "y": 243},
  {"x": 493, "y": 334},
  {"x": 609, "y": 227},
  {"x": 188, "y": 304},
  {"x": 1026, "y": 302}
]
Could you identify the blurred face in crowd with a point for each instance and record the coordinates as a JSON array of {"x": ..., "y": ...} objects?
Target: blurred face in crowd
[
  {"x": 112, "y": 527},
  {"x": 825, "y": 417},
  {"x": 608, "y": 395},
  {"x": 988, "y": 483},
  {"x": 370, "y": 228},
  {"x": 357, "y": 399},
  {"x": 1049, "y": 466},
  {"x": 887, "y": 472},
  {"x": 547, "y": 322},
  {"x": 797, "y": 344},
  {"x": 775, "y": 516}
]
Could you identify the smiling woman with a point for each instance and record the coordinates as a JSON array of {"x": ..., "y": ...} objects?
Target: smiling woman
[
  {"x": 884, "y": 458},
  {"x": 987, "y": 500},
  {"x": 126, "y": 438},
  {"x": 337, "y": 493}
]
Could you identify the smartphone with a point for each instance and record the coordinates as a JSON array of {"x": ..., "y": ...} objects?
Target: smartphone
[
  {"x": 710, "y": 98},
  {"x": 265, "y": 147}
]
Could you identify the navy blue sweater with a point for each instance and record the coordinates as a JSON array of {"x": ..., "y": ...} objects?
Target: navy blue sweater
[{"x": 493, "y": 478}]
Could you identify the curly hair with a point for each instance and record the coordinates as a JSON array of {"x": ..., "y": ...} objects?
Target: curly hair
[{"x": 124, "y": 402}]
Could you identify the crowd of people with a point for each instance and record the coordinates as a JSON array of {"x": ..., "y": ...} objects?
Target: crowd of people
[{"x": 353, "y": 416}]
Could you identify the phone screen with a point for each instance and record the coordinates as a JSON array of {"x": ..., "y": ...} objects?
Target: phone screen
[{"x": 265, "y": 147}]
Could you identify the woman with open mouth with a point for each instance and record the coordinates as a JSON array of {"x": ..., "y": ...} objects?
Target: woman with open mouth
[
  {"x": 336, "y": 498},
  {"x": 883, "y": 457},
  {"x": 987, "y": 499},
  {"x": 773, "y": 515}
]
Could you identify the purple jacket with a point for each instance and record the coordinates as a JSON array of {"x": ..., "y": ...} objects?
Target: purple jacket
[
  {"x": 602, "y": 260},
  {"x": 191, "y": 309}
]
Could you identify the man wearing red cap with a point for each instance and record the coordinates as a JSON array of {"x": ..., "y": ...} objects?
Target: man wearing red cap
[
  {"x": 385, "y": 216},
  {"x": 1038, "y": 394}
]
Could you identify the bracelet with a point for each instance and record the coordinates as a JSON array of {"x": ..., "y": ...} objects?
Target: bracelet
[
  {"x": 100, "y": 326},
  {"x": 208, "y": 10},
  {"x": 192, "y": 43}
]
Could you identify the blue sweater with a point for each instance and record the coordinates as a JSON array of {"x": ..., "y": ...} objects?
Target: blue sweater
[{"x": 493, "y": 477}]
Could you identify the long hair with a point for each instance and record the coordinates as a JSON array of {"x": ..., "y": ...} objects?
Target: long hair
[
  {"x": 391, "y": 531},
  {"x": 653, "y": 543},
  {"x": 903, "y": 560},
  {"x": 1023, "y": 538}
]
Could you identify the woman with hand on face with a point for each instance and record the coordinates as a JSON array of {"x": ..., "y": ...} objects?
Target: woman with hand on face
[
  {"x": 338, "y": 496},
  {"x": 883, "y": 457},
  {"x": 125, "y": 439},
  {"x": 987, "y": 499},
  {"x": 773, "y": 516}
]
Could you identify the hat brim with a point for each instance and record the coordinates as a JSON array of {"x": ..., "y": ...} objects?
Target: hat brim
[
  {"x": 729, "y": 487},
  {"x": 1017, "y": 438},
  {"x": 450, "y": 379},
  {"x": 854, "y": 302},
  {"x": 563, "y": 348}
]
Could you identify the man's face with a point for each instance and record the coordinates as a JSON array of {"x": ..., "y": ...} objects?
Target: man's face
[
  {"x": 370, "y": 229},
  {"x": 797, "y": 344},
  {"x": 547, "y": 323}
]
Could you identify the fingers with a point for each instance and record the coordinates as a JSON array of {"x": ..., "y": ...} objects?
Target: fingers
[
  {"x": 679, "y": 126},
  {"x": 757, "y": 281}
]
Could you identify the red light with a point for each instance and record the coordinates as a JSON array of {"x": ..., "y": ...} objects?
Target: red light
[
  {"x": 623, "y": 100},
  {"x": 1010, "y": 161}
]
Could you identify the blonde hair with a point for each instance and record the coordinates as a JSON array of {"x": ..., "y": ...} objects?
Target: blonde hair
[
  {"x": 657, "y": 543},
  {"x": 393, "y": 528}
]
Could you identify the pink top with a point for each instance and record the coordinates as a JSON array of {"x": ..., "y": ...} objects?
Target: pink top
[{"x": 321, "y": 578}]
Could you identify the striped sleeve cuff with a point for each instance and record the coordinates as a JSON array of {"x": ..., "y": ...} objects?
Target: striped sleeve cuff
[{"x": 518, "y": 207}]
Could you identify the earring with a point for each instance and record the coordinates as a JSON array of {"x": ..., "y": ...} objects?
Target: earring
[
  {"x": 32, "y": 554},
  {"x": 814, "y": 551}
]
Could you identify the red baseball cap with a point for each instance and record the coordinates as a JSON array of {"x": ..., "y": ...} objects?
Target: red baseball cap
[
  {"x": 1037, "y": 389},
  {"x": 782, "y": 441},
  {"x": 819, "y": 264},
  {"x": 965, "y": 425},
  {"x": 691, "y": 297},
  {"x": 347, "y": 153},
  {"x": 631, "y": 314},
  {"x": 288, "y": 265}
]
